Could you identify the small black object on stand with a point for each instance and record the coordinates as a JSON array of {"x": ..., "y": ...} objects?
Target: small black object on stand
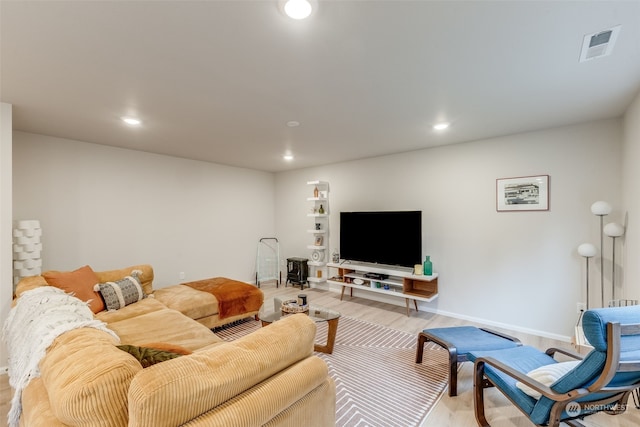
[{"x": 297, "y": 271}]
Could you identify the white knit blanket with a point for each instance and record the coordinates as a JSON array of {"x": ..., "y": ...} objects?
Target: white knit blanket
[{"x": 39, "y": 316}]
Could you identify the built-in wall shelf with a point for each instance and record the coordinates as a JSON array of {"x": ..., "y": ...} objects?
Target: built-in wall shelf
[
  {"x": 319, "y": 211},
  {"x": 399, "y": 283}
]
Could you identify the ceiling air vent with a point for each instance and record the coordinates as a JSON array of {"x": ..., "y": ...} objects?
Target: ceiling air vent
[{"x": 599, "y": 44}]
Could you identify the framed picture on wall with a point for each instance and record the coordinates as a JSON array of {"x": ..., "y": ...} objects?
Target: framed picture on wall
[
  {"x": 524, "y": 193},
  {"x": 318, "y": 241}
]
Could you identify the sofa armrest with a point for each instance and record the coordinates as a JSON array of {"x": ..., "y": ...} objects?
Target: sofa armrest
[
  {"x": 304, "y": 394},
  {"x": 28, "y": 283},
  {"x": 87, "y": 378},
  {"x": 174, "y": 392}
]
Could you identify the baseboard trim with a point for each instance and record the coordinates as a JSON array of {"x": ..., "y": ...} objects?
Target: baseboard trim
[
  {"x": 400, "y": 302},
  {"x": 4, "y": 370},
  {"x": 509, "y": 327}
]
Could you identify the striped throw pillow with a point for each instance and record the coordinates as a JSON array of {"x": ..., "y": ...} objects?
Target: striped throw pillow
[{"x": 121, "y": 293}]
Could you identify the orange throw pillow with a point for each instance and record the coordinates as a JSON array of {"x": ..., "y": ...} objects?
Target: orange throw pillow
[{"x": 80, "y": 282}]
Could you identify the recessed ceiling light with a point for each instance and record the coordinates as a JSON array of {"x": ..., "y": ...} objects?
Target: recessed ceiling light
[
  {"x": 288, "y": 157},
  {"x": 441, "y": 126},
  {"x": 298, "y": 9},
  {"x": 131, "y": 121},
  {"x": 293, "y": 124}
]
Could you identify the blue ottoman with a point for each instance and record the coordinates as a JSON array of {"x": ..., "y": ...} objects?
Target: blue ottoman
[{"x": 459, "y": 341}]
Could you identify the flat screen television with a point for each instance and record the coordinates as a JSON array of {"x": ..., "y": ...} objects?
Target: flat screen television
[{"x": 382, "y": 237}]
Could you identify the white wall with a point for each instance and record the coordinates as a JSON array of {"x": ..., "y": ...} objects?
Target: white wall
[
  {"x": 110, "y": 208},
  {"x": 631, "y": 200},
  {"x": 518, "y": 269},
  {"x": 6, "y": 258}
]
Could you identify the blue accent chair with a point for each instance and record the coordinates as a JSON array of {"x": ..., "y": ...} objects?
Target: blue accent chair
[{"x": 601, "y": 381}]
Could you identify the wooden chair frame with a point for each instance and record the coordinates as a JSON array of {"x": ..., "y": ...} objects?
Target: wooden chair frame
[{"x": 612, "y": 366}]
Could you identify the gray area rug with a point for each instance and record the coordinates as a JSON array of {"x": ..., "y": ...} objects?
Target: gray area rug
[{"x": 378, "y": 383}]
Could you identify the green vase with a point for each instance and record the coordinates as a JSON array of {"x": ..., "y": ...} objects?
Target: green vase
[{"x": 427, "y": 267}]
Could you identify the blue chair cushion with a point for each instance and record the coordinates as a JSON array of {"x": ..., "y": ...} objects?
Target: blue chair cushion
[
  {"x": 469, "y": 338},
  {"x": 594, "y": 324},
  {"x": 582, "y": 375},
  {"x": 522, "y": 359}
]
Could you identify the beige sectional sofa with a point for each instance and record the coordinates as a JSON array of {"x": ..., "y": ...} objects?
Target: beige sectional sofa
[{"x": 267, "y": 378}]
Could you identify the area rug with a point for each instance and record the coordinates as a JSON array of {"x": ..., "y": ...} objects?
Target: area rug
[{"x": 378, "y": 383}]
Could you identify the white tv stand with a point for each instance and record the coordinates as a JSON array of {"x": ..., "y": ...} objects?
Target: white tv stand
[{"x": 400, "y": 283}]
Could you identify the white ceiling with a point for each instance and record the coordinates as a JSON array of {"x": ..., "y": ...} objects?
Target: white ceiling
[{"x": 219, "y": 80}]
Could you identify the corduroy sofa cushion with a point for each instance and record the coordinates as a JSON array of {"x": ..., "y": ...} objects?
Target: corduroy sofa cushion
[
  {"x": 144, "y": 306},
  {"x": 164, "y": 325},
  {"x": 194, "y": 384},
  {"x": 188, "y": 301}
]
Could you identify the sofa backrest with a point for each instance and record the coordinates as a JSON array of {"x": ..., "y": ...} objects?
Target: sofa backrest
[{"x": 146, "y": 278}]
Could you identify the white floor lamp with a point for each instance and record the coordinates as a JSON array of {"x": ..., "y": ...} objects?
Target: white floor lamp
[
  {"x": 613, "y": 230},
  {"x": 587, "y": 250},
  {"x": 601, "y": 209}
]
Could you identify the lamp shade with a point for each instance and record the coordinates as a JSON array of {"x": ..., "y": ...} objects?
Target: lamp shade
[
  {"x": 601, "y": 208},
  {"x": 587, "y": 250},
  {"x": 613, "y": 229}
]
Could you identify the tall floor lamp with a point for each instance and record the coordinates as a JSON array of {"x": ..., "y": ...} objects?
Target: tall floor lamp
[
  {"x": 601, "y": 209},
  {"x": 613, "y": 230},
  {"x": 587, "y": 250}
]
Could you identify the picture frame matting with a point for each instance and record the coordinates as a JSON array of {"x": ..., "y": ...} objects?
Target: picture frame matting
[{"x": 523, "y": 193}]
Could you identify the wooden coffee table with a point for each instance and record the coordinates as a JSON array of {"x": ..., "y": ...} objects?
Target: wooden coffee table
[{"x": 316, "y": 313}]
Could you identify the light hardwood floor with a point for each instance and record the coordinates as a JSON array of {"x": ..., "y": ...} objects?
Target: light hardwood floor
[{"x": 450, "y": 411}]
